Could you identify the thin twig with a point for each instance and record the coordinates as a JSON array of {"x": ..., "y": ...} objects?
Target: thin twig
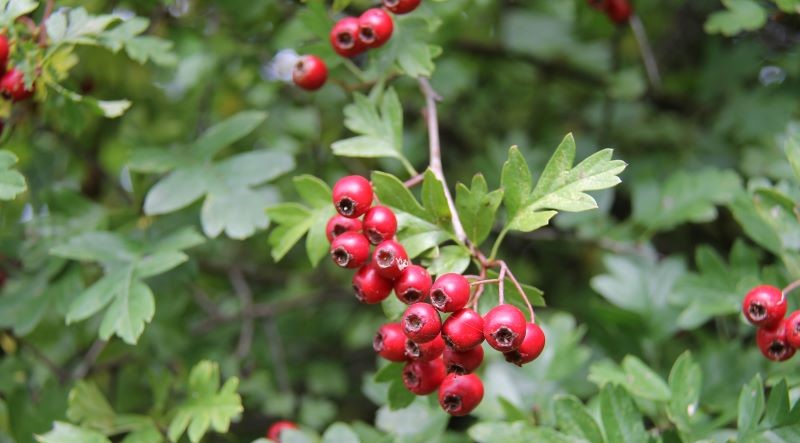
[
  {"x": 257, "y": 310},
  {"x": 88, "y": 360},
  {"x": 648, "y": 57},
  {"x": 414, "y": 181},
  {"x": 792, "y": 286},
  {"x": 521, "y": 291},
  {"x": 245, "y": 295},
  {"x": 501, "y": 284},
  {"x": 29, "y": 23},
  {"x": 485, "y": 282},
  {"x": 48, "y": 9},
  {"x": 278, "y": 355},
  {"x": 59, "y": 373}
]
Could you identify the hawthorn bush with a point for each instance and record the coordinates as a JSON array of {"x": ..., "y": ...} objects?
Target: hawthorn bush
[{"x": 171, "y": 177}]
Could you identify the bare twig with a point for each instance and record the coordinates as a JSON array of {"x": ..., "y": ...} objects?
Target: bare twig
[
  {"x": 501, "y": 284},
  {"x": 245, "y": 294},
  {"x": 648, "y": 57},
  {"x": 29, "y": 23},
  {"x": 88, "y": 360},
  {"x": 48, "y": 9},
  {"x": 504, "y": 266},
  {"x": 58, "y": 373},
  {"x": 414, "y": 181},
  {"x": 791, "y": 287}
]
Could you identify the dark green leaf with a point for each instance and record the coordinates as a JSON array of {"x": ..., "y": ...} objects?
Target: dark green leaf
[
  {"x": 477, "y": 208},
  {"x": 573, "y": 419},
  {"x": 621, "y": 420}
]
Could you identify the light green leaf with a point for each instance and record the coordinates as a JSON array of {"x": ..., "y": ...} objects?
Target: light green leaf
[
  {"x": 159, "y": 263},
  {"x": 643, "y": 381},
  {"x": 99, "y": 246},
  {"x": 132, "y": 308},
  {"x": 67, "y": 433},
  {"x": 451, "y": 258},
  {"x": 477, "y": 208},
  {"x": 12, "y": 183},
  {"x": 434, "y": 199},
  {"x": 751, "y": 405},
  {"x": 399, "y": 397},
  {"x": 294, "y": 221},
  {"x": 739, "y": 15},
  {"x": 497, "y": 432},
  {"x": 240, "y": 212},
  {"x": 251, "y": 169},
  {"x": 177, "y": 190},
  {"x": 89, "y": 407},
  {"x": 340, "y": 433},
  {"x": 154, "y": 160},
  {"x": 621, "y": 420},
  {"x": 364, "y": 146},
  {"x": 685, "y": 382},
  {"x": 778, "y": 408},
  {"x": 416, "y": 58},
  {"x": 97, "y": 296},
  {"x": 226, "y": 132},
  {"x": 314, "y": 191},
  {"x": 10, "y": 10},
  {"x": 516, "y": 182},
  {"x": 391, "y": 192},
  {"x": 573, "y": 419}
]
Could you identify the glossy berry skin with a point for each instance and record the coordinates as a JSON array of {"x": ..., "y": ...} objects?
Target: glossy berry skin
[
  {"x": 504, "y": 328},
  {"x": 339, "y": 224},
  {"x": 390, "y": 342},
  {"x": 274, "y": 431},
  {"x": 619, "y": 11},
  {"x": 413, "y": 285},
  {"x": 12, "y": 86},
  {"x": 310, "y": 72},
  {"x": 764, "y": 306},
  {"x": 793, "y": 329},
  {"x": 350, "y": 250},
  {"x": 370, "y": 288},
  {"x": 463, "y": 330},
  {"x": 460, "y": 394},
  {"x": 421, "y": 323},
  {"x": 423, "y": 377},
  {"x": 352, "y": 196},
  {"x": 401, "y": 6},
  {"x": 380, "y": 224},
  {"x": 531, "y": 346},
  {"x": 773, "y": 342},
  {"x": 375, "y": 27},
  {"x": 390, "y": 259},
  {"x": 4, "y": 50},
  {"x": 344, "y": 37},
  {"x": 450, "y": 292},
  {"x": 462, "y": 362},
  {"x": 425, "y": 351}
]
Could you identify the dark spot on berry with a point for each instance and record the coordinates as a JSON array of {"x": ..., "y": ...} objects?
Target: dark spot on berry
[
  {"x": 374, "y": 236},
  {"x": 338, "y": 230},
  {"x": 340, "y": 256},
  {"x": 412, "y": 349},
  {"x": 514, "y": 357},
  {"x": 413, "y": 323},
  {"x": 391, "y": 3},
  {"x": 452, "y": 402},
  {"x": 757, "y": 311},
  {"x": 412, "y": 295},
  {"x": 367, "y": 35},
  {"x": 346, "y": 206},
  {"x": 377, "y": 342},
  {"x": 778, "y": 349},
  {"x": 448, "y": 341},
  {"x": 504, "y": 336},
  {"x": 456, "y": 368},
  {"x": 438, "y": 298},
  {"x": 345, "y": 40},
  {"x": 385, "y": 258},
  {"x": 359, "y": 293},
  {"x": 410, "y": 378}
]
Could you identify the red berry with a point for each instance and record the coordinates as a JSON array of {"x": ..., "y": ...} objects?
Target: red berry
[
  {"x": 12, "y": 85},
  {"x": 450, "y": 292},
  {"x": 380, "y": 224},
  {"x": 370, "y": 287},
  {"x": 764, "y": 306},
  {"x": 350, "y": 250},
  {"x": 310, "y": 72},
  {"x": 390, "y": 259},
  {"x": 401, "y": 6},
  {"x": 460, "y": 394},
  {"x": 773, "y": 343},
  {"x": 344, "y": 37},
  {"x": 619, "y": 11},
  {"x": 463, "y": 330},
  {"x": 504, "y": 328},
  {"x": 339, "y": 224},
  {"x": 374, "y": 27},
  {"x": 390, "y": 342},
  {"x": 423, "y": 377},
  {"x": 274, "y": 432},
  {"x": 413, "y": 285},
  {"x": 531, "y": 346},
  {"x": 4, "y": 50},
  {"x": 421, "y": 323},
  {"x": 793, "y": 329},
  {"x": 352, "y": 196},
  {"x": 425, "y": 351},
  {"x": 462, "y": 362}
]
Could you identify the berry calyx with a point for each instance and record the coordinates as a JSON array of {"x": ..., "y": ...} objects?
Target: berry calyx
[
  {"x": 764, "y": 306},
  {"x": 463, "y": 330},
  {"x": 339, "y": 224},
  {"x": 380, "y": 224},
  {"x": 450, "y": 292},
  {"x": 344, "y": 37},
  {"x": 350, "y": 250},
  {"x": 421, "y": 323},
  {"x": 12, "y": 86},
  {"x": 369, "y": 286},
  {"x": 462, "y": 362},
  {"x": 793, "y": 329},
  {"x": 413, "y": 285},
  {"x": 425, "y": 351},
  {"x": 390, "y": 259},
  {"x": 352, "y": 196},
  {"x": 310, "y": 72},
  {"x": 504, "y": 328},
  {"x": 530, "y": 348},
  {"x": 773, "y": 342},
  {"x": 274, "y": 431},
  {"x": 423, "y": 377},
  {"x": 374, "y": 27},
  {"x": 401, "y": 6},
  {"x": 390, "y": 342},
  {"x": 460, "y": 394}
]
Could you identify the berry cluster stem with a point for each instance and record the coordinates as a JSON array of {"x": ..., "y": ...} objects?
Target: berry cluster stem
[{"x": 791, "y": 287}]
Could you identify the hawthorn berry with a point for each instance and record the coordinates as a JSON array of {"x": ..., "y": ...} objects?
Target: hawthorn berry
[
  {"x": 12, "y": 86},
  {"x": 352, "y": 196},
  {"x": 423, "y": 377},
  {"x": 374, "y": 27},
  {"x": 504, "y": 327},
  {"x": 390, "y": 342},
  {"x": 463, "y": 330},
  {"x": 530, "y": 348},
  {"x": 793, "y": 329},
  {"x": 370, "y": 288},
  {"x": 350, "y": 250},
  {"x": 390, "y": 259},
  {"x": 274, "y": 432},
  {"x": 764, "y": 306},
  {"x": 460, "y": 394},
  {"x": 339, "y": 224},
  {"x": 773, "y": 342},
  {"x": 462, "y": 362},
  {"x": 425, "y": 351},
  {"x": 421, "y": 323},
  {"x": 345, "y": 37},
  {"x": 380, "y": 224},
  {"x": 4, "y": 50},
  {"x": 619, "y": 11},
  {"x": 450, "y": 292},
  {"x": 413, "y": 285},
  {"x": 401, "y": 6},
  {"x": 310, "y": 72}
]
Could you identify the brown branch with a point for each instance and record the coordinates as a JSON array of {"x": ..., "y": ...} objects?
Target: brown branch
[
  {"x": 48, "y": 10},
  {"x": 85, "y": 365}
]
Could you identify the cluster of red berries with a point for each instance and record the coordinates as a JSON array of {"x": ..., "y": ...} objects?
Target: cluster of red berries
[
  {"x": 437, "y": 355},
  {"x": 618, "y": 11},
  {"x": 12, "y": 81},
  {"x": 274, "y": 431},
  {"x": 778, "y": 337}
]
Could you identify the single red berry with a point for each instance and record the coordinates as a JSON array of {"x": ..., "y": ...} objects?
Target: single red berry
[
  {"x": 370, "y": 288},
  {"x": 352, "y": 196},
  {"x": 531, "y": 346},
  {"x": 773, "y": 342},
  {"x": 764, "y": 306},
  {"x": 374, "y": 27},
  {"x": 401, "y": 6},
  {"x": 463, "y": 330},
  {"x": 460, "y": 394},
  {"x": 413, "y": 285},
  {"x": 421, "y": 323},
  {"x": 619, "y": 11},
  {"x": 339, "y": 224},
  {"x": 350, "y": 250},
  {"x": 344, "y": 37},
  {"x": 12, "y": 86},
  {"x": 423, "y": 377},
  {"x": 793, "y": 329},
  {"x": 4, "y": 50},
  {"x": 390, "y": 259},
  {"x": 462, "y": 362},
  {"x": 380, "y": 224},
  {"x": 390, "y": 342},
  {"x": 274, "y": 432},
  {"x": 450, "y": 292},
  {"x": 425, "y": 351},
  {"x": 504, "y": 328},
  {"x": 310, "y": 72}
]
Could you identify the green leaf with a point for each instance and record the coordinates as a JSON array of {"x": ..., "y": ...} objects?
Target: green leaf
[
  {"x": 685, "y": 382},
  {"x": 498, "y": 432},
  {"x": 10, "y": 10},
  {"x": 621, "y": 420},
  {"x": 104, "y": 247},
  {"x": 340, "y": 433},
  {"x": 778, "y": 408},
  {"x": 133, "y": 306},
  {"x": 739, "y": 15},
  {"x": 159, "y": 263},
  {"x": 792, "y": 6},
  {"x": 477, "y": 208},
  {"x": 755, "y": 226},
  {"x": 516, "y": 182},
  {"x": 294, "y": 221},
  {"x": 177, "y": 190},
  {"x": 76, "y": 26},
  {"x": 399, "y": 397},
  {"x": 573, "y": 419},
  {"x": 751, "y": 405},
  {"x": 434, "y": 199},
  {"x": 67, "y": 433},
  {"x": 389, "y": 372},
  {"x": 451, "y": 258},
  {"x": 314, "y": 191},
  {"x": 226, "y": 132},
  {"x": 391, "y": 192},
  {"x": 97, "y": 296},
  {"x": 89, "y": 407},
  {"x": 643, "y": 381},
  {"x": 12, "y": 183},
  {"x": 239, "y": 213},
  {"x": 364, "y": 146}
]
